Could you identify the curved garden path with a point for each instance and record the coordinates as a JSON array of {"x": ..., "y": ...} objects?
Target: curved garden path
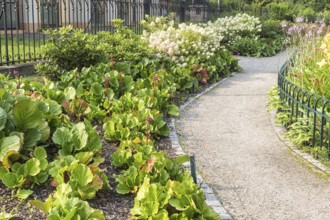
[{"x": 240, "y": 156}]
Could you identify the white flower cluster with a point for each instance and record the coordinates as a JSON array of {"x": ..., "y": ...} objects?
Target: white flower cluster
[
  {"x": 235, "y": 27},
  {"x": 186, "y": 44}
]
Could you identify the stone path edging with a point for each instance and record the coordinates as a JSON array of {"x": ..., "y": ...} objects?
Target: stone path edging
[
  {"x": 210, "y": 196},
  {"x": 280, "y": 131}
]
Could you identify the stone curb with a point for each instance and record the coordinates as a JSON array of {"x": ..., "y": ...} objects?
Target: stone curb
[
  {"x": 281, "y": 131},
  {"x": 210, "y": 197}
]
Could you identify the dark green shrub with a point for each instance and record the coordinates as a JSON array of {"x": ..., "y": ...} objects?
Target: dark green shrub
[
  {"x": 257, "y": 47},
  {"x": 309, "y": 14},
  {"x": 124, "y": 44},
  {"x": 245, "y": 46},
  {"x": 326, "y": 16},
  {"x": 271, "y": 29},
  {"x": 69, "y": 49},
  {"x": 282, "y": 11}
]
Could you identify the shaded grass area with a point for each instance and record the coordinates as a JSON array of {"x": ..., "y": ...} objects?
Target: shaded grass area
[{"x": 20, "y": 48}]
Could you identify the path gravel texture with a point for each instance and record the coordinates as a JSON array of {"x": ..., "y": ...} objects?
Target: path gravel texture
[{"x": 239, "y": 155}]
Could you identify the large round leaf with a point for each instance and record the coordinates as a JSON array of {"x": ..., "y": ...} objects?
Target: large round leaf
[
  {"x": 31, "y": 138},
  {"x": 32, "y": 167},
  {"x": 82, "y": 174},
  {"x": 11, "y": 143},
  {"x": 27, "y": 115}
]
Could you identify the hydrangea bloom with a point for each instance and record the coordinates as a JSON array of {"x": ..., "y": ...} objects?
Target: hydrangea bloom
[
  {"x": 186, "y": 44},
  {"x": 241, "y": 25}
]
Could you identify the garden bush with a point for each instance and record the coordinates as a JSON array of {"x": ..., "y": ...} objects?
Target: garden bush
[
  {"x": 282, "y": 11},
  {"x": 309, "y": 14},
  {"x": 123, "y": 44},
  {"x": 271, "y": 29},
  {"x": 257, "y": 47},
  {"x": 69, "y": 49},
  {"x": 326, "y": 16},
  {"x": 240, "y": 25},
  {"x": 189, "y": 45}
]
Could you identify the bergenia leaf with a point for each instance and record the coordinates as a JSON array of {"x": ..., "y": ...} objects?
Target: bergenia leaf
[
  {"x": 10, "y": 157},
  {"x": 79, "y": 136},
  {"x": 32, "y": 167},
  {"x": 40, "y": 153},
  {"x": 23, "y": 193},
  {"x": 27, "y": 115},
  {"x": 173, "y": 110},
  {"x": 43, "y": 206},
  {"x": 31, "y": 137},
  {"x": 82, "y": 174},
  {"x": 10, "y": 180},
  {"x": 11, "y": 143},
  {"x": 62, "y": 136},
  {"x": 44, "y": 131},
  {"x": 70, "y": 93}
]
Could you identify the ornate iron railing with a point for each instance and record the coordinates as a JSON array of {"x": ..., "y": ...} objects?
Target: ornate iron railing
[
  {"x": 306, "y": 105},
  {"x": 22, "y": 21}
]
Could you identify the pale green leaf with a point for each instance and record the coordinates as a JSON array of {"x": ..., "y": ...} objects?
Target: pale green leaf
[
  {"x": 11, "y": 143},
  {"x": 23, "y": 193},
  {"x": 173, "y": 110},
  {"x": 54, "y": 108},
  {"x": 62, "y": 136},
  {"x": 84, "y": 157},
  {"x": 40, "y": 153},
  {"x": 70, "y": 93},
  {"x": 10, "y": 180},
  {"x": 79, "y": 136},
  {"x": 43, "y": 206},
  {"x": 82, "y": 174},
  {"x": 32, "y": 167},
  {"x": 27, "y": 115}
]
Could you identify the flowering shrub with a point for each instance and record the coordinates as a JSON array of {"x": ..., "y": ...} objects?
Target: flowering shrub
[
  {"x": 241, "y": 25},
  {"x": 190, "y": 46},
  {"x": 185, "y": 45}
]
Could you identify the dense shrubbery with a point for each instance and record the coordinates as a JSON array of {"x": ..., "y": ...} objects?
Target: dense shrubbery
[
  {"x": 245, "y": 35},
  {"x": 193, "y": 46},
  {"x": 123, "y": 89},
  {"x": 68, "y": 49}
]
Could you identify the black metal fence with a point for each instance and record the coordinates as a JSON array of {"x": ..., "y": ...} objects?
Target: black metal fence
[
  {"x": 313, "y": 109},
  {"x": 22, "y": 21}
]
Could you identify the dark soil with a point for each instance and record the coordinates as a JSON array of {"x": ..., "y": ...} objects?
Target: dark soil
[{"x": 113, "y": 205}]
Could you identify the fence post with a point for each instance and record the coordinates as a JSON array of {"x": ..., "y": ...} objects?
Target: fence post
[
  {"x": 146, "y": 6},
  {"x": 182, "y": 11},
  {"x": 4, "y": 11},
  {"x": 193, "y": 168}
]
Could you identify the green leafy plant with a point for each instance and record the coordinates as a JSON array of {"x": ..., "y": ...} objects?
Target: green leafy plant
[
  {"x": 174, "y": 200},
  {"x": 80, "y": 137},
  {"x": 68, "y": 49},
  {"x": 84, "y": 181},
  {"x": 22, "y": 175},
  {"x": 61, "y": 205}
]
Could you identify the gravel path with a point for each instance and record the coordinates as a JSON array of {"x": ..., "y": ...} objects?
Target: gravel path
[{"x": 240, "y": 156}]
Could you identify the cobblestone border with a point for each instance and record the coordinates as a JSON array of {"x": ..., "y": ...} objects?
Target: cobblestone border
[
  {"x": 210, "y": 197},
  {"x": 280, "y": 131}
]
